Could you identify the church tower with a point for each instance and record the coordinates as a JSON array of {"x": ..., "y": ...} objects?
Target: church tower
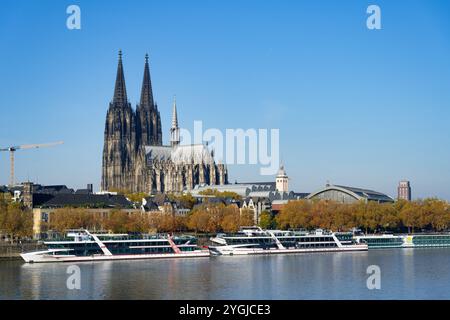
[
  {"x": 174, "y": 130},
  {"x": 148, "y": 124},
  {"x": 134, "y": 158},
  {"x": 282, "y": 180},
  {"x": 120, "y": 147}
]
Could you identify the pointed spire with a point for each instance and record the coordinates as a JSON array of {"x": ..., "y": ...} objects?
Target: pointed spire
[
  {"x": 174, "y": 130},
  {"x": 174, "y": 113},
  {"x": 146, "y": 92},
  {"x": 120, "y": 91}
]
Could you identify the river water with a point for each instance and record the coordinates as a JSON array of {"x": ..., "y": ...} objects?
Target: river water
[{"x": 404, "y": 274}]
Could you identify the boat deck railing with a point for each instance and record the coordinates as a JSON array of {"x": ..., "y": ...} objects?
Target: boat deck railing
[{"x": 111, "y": 237}]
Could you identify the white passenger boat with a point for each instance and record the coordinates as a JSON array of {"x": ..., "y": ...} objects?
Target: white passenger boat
[
  {"x": 254, "y": 240},
  {"x": 85, "y": 246}
]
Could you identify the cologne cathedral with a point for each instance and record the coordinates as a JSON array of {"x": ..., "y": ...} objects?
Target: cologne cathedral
[{"x": 134, "y": 157}]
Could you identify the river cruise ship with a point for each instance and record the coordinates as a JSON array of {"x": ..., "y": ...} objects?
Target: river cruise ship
[
  {"x": 86, "y": 246},
  {"x": 254, "y": 240},
  {"x": 382, "y": 241}
]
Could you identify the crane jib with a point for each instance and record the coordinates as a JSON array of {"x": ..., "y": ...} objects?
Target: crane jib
[{"x": 13, "y": 149}]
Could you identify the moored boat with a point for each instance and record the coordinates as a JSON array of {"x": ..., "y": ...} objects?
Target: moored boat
[
  {"x": 82, "y": 246},
  {"x": 254, "y": 240},
  {"x": 381, "y": 241}
]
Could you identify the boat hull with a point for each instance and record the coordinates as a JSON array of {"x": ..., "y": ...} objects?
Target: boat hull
[
  {"x": 228, "y": 250},
  {"x": 40, "y": 257}
]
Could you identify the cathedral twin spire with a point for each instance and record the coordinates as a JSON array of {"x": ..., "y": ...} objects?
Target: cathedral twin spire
[
  {"x": 128, "y": 133},
  {"x": 146, "y": 93},
  {"x": 146, "y": 119},
  {"x": 120, "y": 90}
]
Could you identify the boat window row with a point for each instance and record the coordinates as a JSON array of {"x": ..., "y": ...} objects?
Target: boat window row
[
  {"x": 431, "y": 242},
  {"x": 136, "y": 244},
  {"x": 315, "y": 239},
  {"x": 73, "y": 245},
  {"x": 232, "y": 241},
  {"x": 316, "y": 245},
  {"x": 141, "y": 250},
  {"x": 382, "y": 240}
]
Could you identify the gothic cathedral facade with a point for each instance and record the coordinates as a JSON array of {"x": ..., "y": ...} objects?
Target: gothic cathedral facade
[{"x": 134, "y": 157}]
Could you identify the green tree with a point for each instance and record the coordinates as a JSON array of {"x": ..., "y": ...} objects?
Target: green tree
[
  {"x": 136, "y": 197},
  {"x": 221, "y": 194},
  {"x": 186, "y": 200},
  {"x": 266, "y": 220}
]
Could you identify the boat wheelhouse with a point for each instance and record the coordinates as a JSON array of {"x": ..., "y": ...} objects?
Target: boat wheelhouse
[
  {"x": 82, "y": 245},
  {"x": 254, "y": 240}
]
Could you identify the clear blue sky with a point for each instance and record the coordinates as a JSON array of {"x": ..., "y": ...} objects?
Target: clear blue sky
[{"x": 355, "y": 107}]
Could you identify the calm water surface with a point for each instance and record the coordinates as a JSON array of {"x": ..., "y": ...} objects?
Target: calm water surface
[{"x": 405, "y": 274}]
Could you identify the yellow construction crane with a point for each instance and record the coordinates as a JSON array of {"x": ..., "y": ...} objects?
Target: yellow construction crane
[{"x": 13, "y": 149}]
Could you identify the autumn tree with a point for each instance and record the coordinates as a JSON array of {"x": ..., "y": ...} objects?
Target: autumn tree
[
  {"x": 181, "y": 223},
  {"x": 295, "y": 214},
  {"x": 410, "y": 215},
  {"x": 199, "y": 220},
  {"x": 116, "y": 221},
  {"x": 3, "y": 210},
  {"x": 343, "y": 218},
  {"x": 246, "y": 217},
  {"x": 389, "y": 216},
  {"x": 323, "y": 214},
  {"x": 438, "y": 212},
  {"x": 230, "y": 219},
  {"x": 16, "y": 221},
  {"x": 266, "y": 220},
  {"x": 137, "y": 222},
  {"x": 164, "y": 222},
  {"x": 212, "y": 218},
  {"x": 66, "y": 218},
  {"x": 186, "y": 200},
  {"x": 372, "y": 216}
]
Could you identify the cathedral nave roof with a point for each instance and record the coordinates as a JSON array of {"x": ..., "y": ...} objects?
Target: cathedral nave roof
[{"x": 181, "y": 154}]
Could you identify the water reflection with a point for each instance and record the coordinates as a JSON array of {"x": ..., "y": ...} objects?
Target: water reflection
[{"x": 406, "y": 274}]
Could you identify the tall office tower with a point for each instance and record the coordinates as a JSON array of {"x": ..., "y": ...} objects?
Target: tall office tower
[{"x": 404, "y": 191}]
